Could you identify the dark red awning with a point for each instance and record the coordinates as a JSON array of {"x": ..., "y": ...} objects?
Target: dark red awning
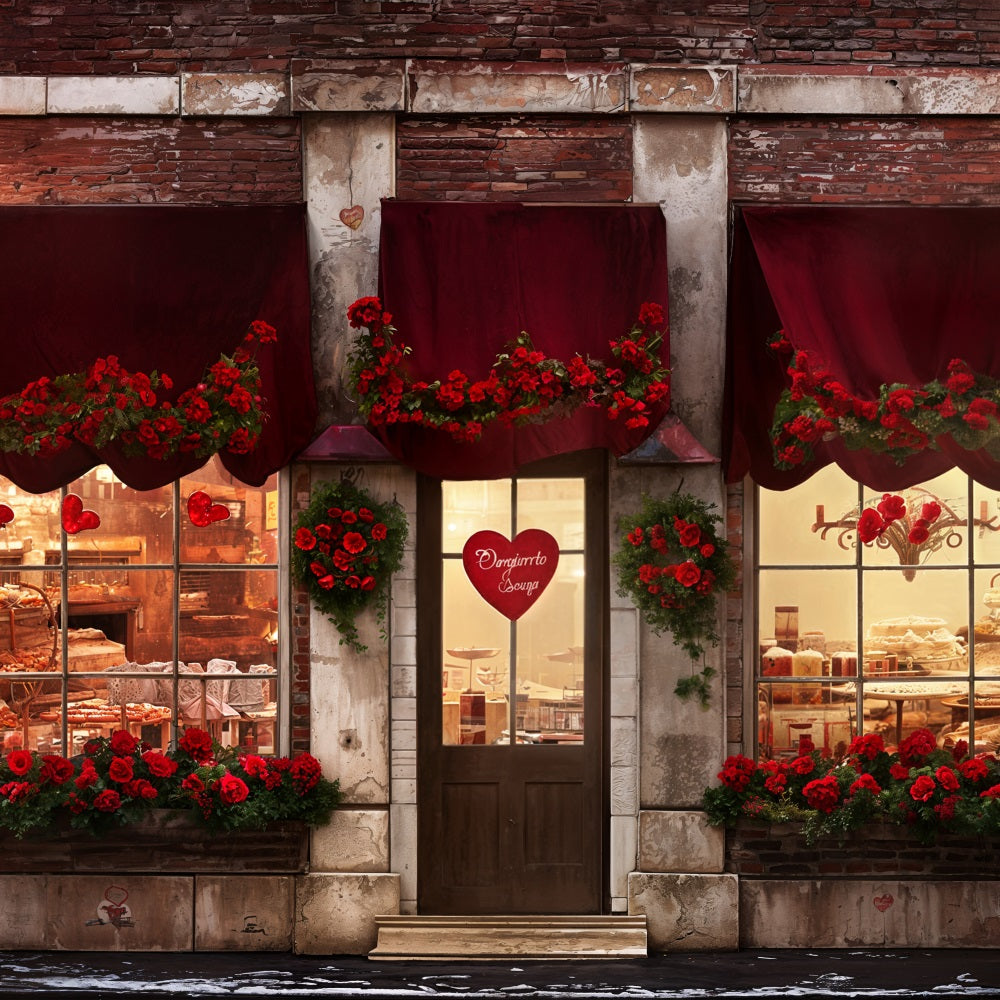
[
  {"x": 163, "y": 287},
  {"x": 879, "y": 295},
  {"x": 462, "y": 280}
]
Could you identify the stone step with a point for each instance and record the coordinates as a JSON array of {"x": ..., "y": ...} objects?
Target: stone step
[{"x": 464, "y": 938}]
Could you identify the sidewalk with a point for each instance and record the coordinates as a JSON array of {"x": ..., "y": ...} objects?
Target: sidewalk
[{"x": 841, "y": 973}]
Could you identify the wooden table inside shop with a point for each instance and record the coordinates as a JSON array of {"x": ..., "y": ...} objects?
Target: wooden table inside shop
[{"x": 900, "y": 694}]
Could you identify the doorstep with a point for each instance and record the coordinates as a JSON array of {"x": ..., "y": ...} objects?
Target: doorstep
[{"x": 465, "y": 938}]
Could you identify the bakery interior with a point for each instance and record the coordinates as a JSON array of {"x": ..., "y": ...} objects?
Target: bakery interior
[
  {"x": 886, "y": 634},
  {"x": 153, "y": 614}
]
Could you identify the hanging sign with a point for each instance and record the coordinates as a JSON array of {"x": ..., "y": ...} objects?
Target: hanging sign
[{"x": 511, "y": 575}]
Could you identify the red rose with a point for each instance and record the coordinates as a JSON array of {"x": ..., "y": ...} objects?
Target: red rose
[
  {"x": 870, "y": 525},
  {"x": 707, "y": 550},
  {"x": 305, "y": 540},
  {"x": 193, "y": 783},
  {"x": 688, "y": 574},
  {"x": 803, "y": 765},
  {"x": 122, "y": 743},
  {"x": 354, "y": 542},
  {"x": 197, "y": 743},
  {"x": 159, "y": 764},
  {"x": 379, "y": 532},
  {"x": 947, "y": 778},
  {"x": 88, "y": 775},
  {"x": 689, "y": 535},
  {"x": 254, "y": 765},
  {"x": 20, "y": 761},
  {"x": 108, "y": 801},
  {"x": 918, "y": 533},
  {"x": 974, "y": 769},
  {"x": 993, "y": 792},
  {"x": 922, "y": 789},
  {"x": 55, "y": 769},
  {"x": 892, "y": 507},
  {"x": 930, "y": 512},
  {"x": 865, "y": 783},
  {"x": 120, "y": 769},
  {"x": 899, "y": 771},
  {"x": 822, "y": 794},
  {"x": 232, "y": 789}
]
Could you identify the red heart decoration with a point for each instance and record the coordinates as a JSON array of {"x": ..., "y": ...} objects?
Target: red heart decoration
[
  {"x": 352, "y": 217},
  {"x": 6, "y": 515},
  {"x": 882, "y": 903},
  {"x": 75, "y": 518},
  {"x": 510, "y": 575},
  {"x": 202, "y": 512}
]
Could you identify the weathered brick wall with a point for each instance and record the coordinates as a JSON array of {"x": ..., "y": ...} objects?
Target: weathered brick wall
[
  {"x": 114, "y": 37},
  {"x": 781, "y": 852},
  {"x": 70, "y": 160},
  {"x": 912, "y": 160},
  {"x": 507, "y": 158}
]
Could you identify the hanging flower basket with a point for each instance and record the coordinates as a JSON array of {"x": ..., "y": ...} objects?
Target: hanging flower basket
[
  {"x": 523, "y": 385},
  {"x": 346, "y": 547},
  {"x": 672, "y": 564}
]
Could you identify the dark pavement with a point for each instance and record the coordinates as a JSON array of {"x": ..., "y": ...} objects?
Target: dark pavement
[{"x": 752, "y": 973}]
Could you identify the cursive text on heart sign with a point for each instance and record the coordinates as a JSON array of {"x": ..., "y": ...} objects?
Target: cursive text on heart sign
[{"x": 510, "y": 575}]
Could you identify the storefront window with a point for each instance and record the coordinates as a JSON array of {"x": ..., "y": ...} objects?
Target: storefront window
[
  {"x": 538, "y": 656},
  {"x": 159, "y": 611},
  {"x": 877, "y": 613}
]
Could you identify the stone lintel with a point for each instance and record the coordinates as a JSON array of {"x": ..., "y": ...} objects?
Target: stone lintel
[
  {"x": 113, "y": 95},
  {"x": 435, "y": 86},
  {"x": 234, "y": 94},
  {"x": 883, "y": 90},
  {"x": 682, "y": 88},
  {"x": 22, "y": 95},
  {"x": 345, "y": 85}
]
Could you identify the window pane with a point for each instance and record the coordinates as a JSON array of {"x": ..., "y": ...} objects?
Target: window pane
[
  {"x": 468, "y": 507},
  {"x": 811, "y": 524},
  {"x": 815, "y": 608},
  {"x": 555, "y": 506},
  {"x": 786, "y": 729}
]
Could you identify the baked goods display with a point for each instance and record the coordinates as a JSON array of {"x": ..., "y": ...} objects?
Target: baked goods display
[
  {"x": 13, "y": 596},
  {"x": 8, "y": 720},
  {"x": 914, "y": 637},
  {"x": 14, "y": 661},
  {"x": 98, "y": 712}
]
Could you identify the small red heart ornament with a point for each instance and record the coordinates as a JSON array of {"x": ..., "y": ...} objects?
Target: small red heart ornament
[
  {"x": 510, "y": 575},
  {"x": 75, "y": 518},
  {"x": 202, "y": 512},
  {"x": 882, "y": 903},
  {"x": 6, "y": 515},
  {"x": 352, "y": 217}
]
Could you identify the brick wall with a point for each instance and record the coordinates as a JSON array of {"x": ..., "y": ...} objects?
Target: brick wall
[
  {"x": 71, "y": 160},
  {"x": 781, "y": 852},
  {"x": 504, "y": 158},
  {"x": 733, "y": 651},
  {"x": 113, "y": 37},
  {"x": 922, "y": 160}
]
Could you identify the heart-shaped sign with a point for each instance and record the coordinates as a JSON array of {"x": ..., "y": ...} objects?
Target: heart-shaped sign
[
  {"x": 511, "y": 575},
  {"x": 882, "y": 903},
  {"x": 202, "y": 512},
  {"x": 75, "y": 518},
  {"x": 6, "y": 515}
]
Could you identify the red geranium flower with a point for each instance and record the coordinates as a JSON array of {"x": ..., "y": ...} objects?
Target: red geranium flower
[
  {"x": 20, "y": 762},
  {"x": 232, "y": 789},
  {"x": 354, "y": 542},
  {"x": 120, "y": 769},
  {"x": 197, "y": 743},
  {"x": 923, "y": 788},
  {"x": 107, "y": 801},
  {"x": 122, "y": 743},
  {"x": 305, "y": 540}
]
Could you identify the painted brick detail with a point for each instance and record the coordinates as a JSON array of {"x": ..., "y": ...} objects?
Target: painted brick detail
[
  {"x": 504, "y": 158},
  {"x": 916, "y": 161},
  {"x": 84, "y": 160}
]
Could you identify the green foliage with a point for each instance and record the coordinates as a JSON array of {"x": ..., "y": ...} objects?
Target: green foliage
[{"x": 346, "y": 547}]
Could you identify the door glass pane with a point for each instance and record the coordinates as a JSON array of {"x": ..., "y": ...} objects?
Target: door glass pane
[{"x": 539, "y": 655}]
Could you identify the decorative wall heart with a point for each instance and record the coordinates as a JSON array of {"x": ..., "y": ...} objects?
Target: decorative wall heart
[
  {"x": 882, "y": 903},
  {"x": 6, "y": 515},
  {"x": 352, "y": 217},
  {"x": 202, "y": 512},
  {"x": 510, "y": 575},
  {"x": 75, "y": 518}
]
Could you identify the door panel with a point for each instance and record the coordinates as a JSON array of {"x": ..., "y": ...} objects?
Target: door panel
[{"x": 512, "y": 824}]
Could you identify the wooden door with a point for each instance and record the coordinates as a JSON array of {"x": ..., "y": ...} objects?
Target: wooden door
[{"x": 509, "y": 826}]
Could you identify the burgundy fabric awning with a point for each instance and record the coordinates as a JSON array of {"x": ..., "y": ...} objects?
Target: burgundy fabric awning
[
  {"x": 163, "y": 287},
  {"x": 462, "y": 280},
  {"x": 878, "y": 295}
]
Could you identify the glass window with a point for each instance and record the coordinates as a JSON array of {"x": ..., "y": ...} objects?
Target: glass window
[
  {"x": 139, "y": 610},
  {"x": 540, "y": 655},
  {"x": 877, "y": 612}
]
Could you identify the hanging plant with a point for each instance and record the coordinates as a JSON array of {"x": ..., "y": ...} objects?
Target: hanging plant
[
  {"x": 345, "y": 549},
  {"x": 522, "y": 386},
  {"x": 108, "y": 403},
  {"x": 902, "y": 421},
  {"x": 671, "y": 564}
]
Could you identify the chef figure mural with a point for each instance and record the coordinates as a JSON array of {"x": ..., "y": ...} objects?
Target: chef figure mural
[{"x": 511, "y": 575}]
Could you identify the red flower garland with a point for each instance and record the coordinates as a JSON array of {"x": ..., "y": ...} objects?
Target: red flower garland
[
  {"x": 107, "y": 403},
  {"x": 902, "y": 421},
  {"x": 522, "y": 386}
]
